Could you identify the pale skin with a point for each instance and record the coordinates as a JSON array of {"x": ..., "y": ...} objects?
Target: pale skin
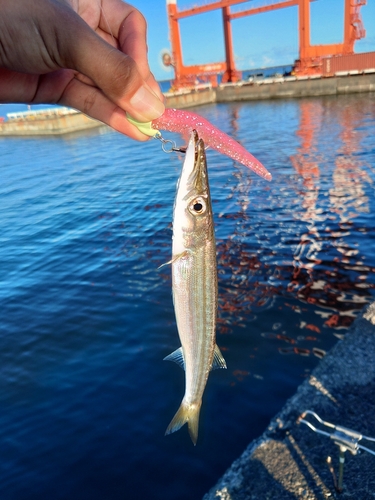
[{"x": 87, "y": 54}]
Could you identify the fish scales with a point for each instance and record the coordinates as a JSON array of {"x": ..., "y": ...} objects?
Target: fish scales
[
  {"x": 196, "y": 306},
  {"x": 194, "y": 284}
]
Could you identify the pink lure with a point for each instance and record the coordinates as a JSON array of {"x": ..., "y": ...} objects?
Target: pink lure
[{"x": 183, "y": 122}]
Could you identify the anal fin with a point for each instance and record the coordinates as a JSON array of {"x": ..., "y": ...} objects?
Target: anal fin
[{"x": 218, "y": 361}]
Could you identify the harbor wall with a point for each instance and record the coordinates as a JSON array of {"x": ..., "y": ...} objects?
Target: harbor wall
[
  {"x": 268, "y": 88},
  {"x": 48, "y": 125},
  {"x": 273, "y": 88},
  {"x": 189, "y": 98},
  {"x": 282, "y": 88}
]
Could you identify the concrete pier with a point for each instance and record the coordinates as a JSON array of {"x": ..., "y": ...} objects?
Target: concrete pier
[
  {"x": 48, "y": 123},
  {"x": 189, "y": 98},
  {"x": 289, "y": 461},
  {"x": 276, "y": 88},
  {"x": 273, "y": 88},
  {"x": 268, "y": 88}
]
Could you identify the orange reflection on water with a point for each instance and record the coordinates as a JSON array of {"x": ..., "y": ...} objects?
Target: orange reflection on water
[
  {"x": 334, "y": 127},
  {"x": 307, "y": 158},
  {"x": 347, "y": 196}
]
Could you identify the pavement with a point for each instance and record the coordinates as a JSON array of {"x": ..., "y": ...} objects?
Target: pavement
[{"x": 289, "y": 461}]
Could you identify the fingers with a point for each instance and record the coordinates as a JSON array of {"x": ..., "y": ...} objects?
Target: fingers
[
  {"x": 115, "y": 73},
  {"x": 132, "y": 41},
  {"x": 16, "y": 87},
  {"x": 153, "y": 84},
  {"x": 63, "y": 87},
  {"x": 112, "y": 81},
  {"x": 129, "y": 27},
  {"x": 94, "y": 103}
]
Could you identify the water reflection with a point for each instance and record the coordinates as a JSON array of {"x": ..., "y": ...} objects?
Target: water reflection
[
  {"x": 299, "y": 244},
  {"x": 329, "y": 284},
  {"x": 350, "y": 174},
  {"x": 307, "y": 159},
  {"x": 313, "y": 249},
  {"x": 87, "y": 317}
]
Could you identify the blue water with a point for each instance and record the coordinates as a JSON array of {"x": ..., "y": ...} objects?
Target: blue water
[{"x": 87, "y": 317}]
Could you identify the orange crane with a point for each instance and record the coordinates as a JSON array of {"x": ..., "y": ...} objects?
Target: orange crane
[{"x": 310, "y": 56}]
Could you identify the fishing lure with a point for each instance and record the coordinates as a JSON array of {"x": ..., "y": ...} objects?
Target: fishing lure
[{"x": 183, "y": 122}]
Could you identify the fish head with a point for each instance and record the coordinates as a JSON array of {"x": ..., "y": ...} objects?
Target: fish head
[{"x": 192, "y": 220}]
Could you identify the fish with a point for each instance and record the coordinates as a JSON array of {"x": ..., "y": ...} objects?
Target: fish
[{"x": 194, "y": 285}]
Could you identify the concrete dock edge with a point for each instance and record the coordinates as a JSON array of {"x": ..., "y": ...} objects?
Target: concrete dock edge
[
  {"x": 289, "y": 461},
  {"x": 40, "y": 125}
]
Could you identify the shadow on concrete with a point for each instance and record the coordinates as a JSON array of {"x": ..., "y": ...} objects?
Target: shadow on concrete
[{"x": 289, "y": 461}]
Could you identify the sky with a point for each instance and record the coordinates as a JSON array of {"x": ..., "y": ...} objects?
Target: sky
[{"x": 264, "y": 40}]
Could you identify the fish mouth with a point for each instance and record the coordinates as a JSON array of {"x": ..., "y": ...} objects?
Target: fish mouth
[{"x": 198, "y": 177}]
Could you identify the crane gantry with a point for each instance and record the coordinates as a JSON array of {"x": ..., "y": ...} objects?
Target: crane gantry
[{"x": 310, "y": 56}]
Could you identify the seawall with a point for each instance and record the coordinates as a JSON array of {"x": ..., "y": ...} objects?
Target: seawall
[
  {"x": 289, "y": 461},
  {"x": 273, "y": 88},
  {"x": 48, "y": 125},
  {"x": 297, "y": 88},
  {"x": 269, "y": 88}
]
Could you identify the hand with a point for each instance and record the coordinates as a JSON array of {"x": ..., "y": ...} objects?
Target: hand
[{"x": 87, "y": 54}]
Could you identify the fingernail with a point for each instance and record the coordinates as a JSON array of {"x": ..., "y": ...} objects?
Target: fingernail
[{"x": 146, "y": 105}]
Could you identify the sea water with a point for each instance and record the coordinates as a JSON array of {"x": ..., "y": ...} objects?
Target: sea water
[{"x": 86, "y": 316}]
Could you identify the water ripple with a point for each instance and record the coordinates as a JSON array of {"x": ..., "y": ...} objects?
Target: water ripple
[{"x": 87, "y": 317}]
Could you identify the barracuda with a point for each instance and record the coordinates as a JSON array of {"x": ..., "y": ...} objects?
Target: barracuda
[{"x": 194, "y": 283}]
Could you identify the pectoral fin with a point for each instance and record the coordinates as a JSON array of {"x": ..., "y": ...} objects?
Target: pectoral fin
[
  {"x": 218, "y": 361},
  {"x": 175, "y": 259}
]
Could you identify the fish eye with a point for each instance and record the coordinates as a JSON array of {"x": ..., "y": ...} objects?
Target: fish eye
[{"x": 197, "y": 206}]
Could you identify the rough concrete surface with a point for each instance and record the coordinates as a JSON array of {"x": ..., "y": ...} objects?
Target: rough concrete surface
[{"x": 289, "y": 461}]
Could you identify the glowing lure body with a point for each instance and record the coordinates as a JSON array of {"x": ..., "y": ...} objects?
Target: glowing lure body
[{"x": 183, "y": 122}]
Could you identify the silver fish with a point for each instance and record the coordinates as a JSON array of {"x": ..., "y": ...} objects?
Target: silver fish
[{"x": 194, "y": 283}]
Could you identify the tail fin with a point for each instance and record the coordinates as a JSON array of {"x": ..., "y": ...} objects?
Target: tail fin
[{"x": 186, "y": 413}]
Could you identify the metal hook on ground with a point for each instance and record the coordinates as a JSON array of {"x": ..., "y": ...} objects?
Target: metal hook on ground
[{"x": 345, "y": 439}]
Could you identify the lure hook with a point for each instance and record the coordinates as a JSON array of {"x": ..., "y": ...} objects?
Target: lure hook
[{"x": 169, "y": 146}]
